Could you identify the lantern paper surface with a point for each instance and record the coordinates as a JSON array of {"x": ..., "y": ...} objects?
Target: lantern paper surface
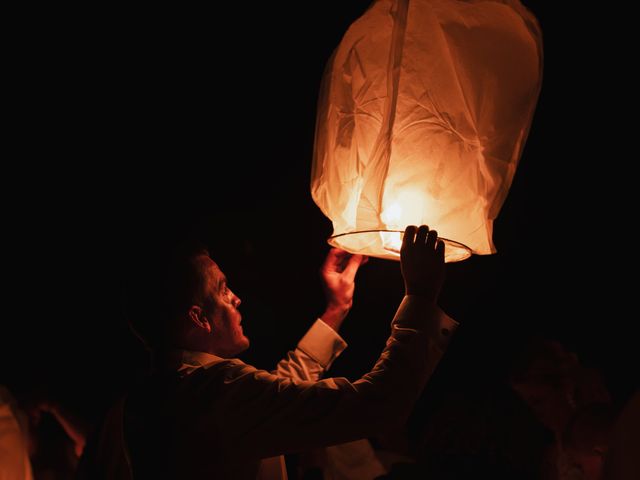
[{"x": 423, "y": 113}]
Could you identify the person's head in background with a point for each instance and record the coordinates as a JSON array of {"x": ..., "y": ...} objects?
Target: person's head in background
[
  {"x": 544, "y": 376},
  {"x": 553, "y": 383},
  {"x": 586, "y": 438},
  {"x": 180, "y": 299}
]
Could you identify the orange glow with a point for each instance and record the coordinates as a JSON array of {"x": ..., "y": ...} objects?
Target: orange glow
[{"x": 423, "y": 114}]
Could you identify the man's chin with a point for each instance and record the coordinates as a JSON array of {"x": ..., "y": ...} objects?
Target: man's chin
[{"x": 243, "y": 344}]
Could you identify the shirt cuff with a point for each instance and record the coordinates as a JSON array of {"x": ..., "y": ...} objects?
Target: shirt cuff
[
  {"x": 444, "y": 328},
  {"x": 416, "y": 314},
  {"x": 322, "y": 343}
]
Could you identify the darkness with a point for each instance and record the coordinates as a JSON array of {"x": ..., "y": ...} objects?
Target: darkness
[{"x": 133, "y": 126}]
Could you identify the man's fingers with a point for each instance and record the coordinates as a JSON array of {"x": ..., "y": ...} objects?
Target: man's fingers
[
  {"x": 440, "y": 250},
  {"x": 333, "y": 258},
  {"x": 431, "y": 239},
  {"x": 421, "y": 235},
  {"x": 409, "y": 234},
  {"x": 352, "y": 266},
  {"x": 333, "y": 254}
]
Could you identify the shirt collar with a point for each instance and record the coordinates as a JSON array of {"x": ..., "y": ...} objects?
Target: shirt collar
[{"x": 188, "y": 360}]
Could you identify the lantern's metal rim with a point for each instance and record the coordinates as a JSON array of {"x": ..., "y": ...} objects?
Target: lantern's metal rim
[{"x": 446, "y": 240}]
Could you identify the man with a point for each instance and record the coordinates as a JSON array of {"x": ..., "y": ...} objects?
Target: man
[
  {"x": 205, "y": 414},
  {"x": 554, "y": 385}
]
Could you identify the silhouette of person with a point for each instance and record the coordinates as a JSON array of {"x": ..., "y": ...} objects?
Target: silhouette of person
[
  {"x": 14, "y": 439},
  {"x": 553, "y": 383},
  {"x": 622, "y": 461},
  {"x": 586, "y": 438},
  {"x": 57, "y": 438},
  {"x": 205, "y": 414}
]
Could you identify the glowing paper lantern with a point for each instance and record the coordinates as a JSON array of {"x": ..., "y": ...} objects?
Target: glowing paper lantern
[{"x": 423, "y": 114}]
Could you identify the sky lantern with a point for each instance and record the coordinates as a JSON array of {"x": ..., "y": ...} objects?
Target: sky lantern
[{"x": 423, "y": 114}]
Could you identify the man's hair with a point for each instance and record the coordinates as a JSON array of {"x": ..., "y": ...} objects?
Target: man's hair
[
  {"x": 544, "y": 361},
  {"x": 161, "y": 287}
]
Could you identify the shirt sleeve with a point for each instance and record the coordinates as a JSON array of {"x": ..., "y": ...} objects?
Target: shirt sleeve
[
  {"x": 314, "y": 354},
  {"x": 268, "y": 415}
]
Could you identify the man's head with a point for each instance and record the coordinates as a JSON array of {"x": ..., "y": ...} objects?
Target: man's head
[
  {"x": 182, "y": 300},
  {"x": 544, "y": 376},
  {"x": 213, "y": 318},
  {"x": 586, "y": 438}
]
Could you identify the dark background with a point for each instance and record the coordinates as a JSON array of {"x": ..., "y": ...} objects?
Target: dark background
[{"x": 132, "y": 126}]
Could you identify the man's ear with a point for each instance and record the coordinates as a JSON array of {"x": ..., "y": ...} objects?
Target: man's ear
[{"x": 198, "y": 317}]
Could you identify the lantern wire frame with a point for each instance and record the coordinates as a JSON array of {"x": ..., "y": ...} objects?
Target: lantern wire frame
[{"x": 453, "y": 251}]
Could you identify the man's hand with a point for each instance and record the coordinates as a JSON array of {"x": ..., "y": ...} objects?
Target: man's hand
[
  {"x": 422, "y": 261},
  {"x": 338, "y": 278}
]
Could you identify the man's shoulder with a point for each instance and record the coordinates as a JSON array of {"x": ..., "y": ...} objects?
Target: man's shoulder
[{"x": 229, "y": 373}]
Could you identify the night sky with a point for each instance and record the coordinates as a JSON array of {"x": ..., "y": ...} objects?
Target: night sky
[{"x": 137, "y": 126}]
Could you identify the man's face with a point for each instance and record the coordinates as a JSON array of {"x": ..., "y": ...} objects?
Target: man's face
[
  {"x": 589, "y": 463},
  {"x": 549, "y": 403},
  {"x": 227, "y": 337}
]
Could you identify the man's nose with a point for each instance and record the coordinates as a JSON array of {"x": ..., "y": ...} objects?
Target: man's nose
[{"x": 236, "y": 301}]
